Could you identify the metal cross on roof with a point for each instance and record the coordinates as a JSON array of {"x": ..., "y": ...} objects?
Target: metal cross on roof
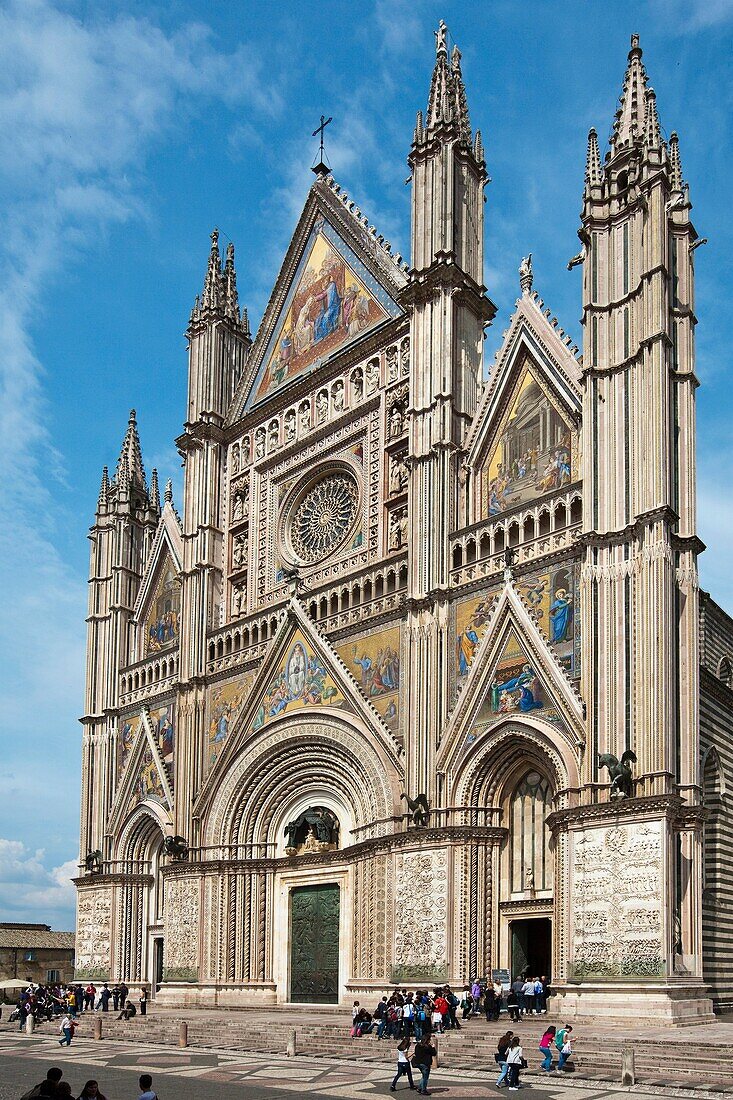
[{"x": 322, "y": 168}]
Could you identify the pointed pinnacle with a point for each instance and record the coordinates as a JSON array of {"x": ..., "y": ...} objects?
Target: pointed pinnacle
[
  {"x": 629, "y": 121},
  {"x": 231, "y": 305},
  {"x": 652, "y": 131},
  {"x": 593, "y": 160},
  {"x": 245, "y": 322},
  {"x": 675, "y": 164},
  {"x": 211, "y": 296},
  {"x": 154, "y": 491},
  {"x": 439, "y": 105},
  {"x": 168, "y": 492},
  {"x": 478, "y": 148},
  {"x": 130, "y": 463},
  {"x": 460, "y": 110},
  {"x": 103, "y": 490}
]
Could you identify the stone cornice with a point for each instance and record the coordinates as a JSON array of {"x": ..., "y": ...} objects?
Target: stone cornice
[
  {"x": 116, "y": 879},
  {"x": 610, "y": 813}
]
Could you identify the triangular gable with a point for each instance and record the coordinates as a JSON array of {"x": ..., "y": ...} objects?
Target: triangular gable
[
  {"x": 338, "y": 282},
  {"x": 300, "y": 673},
  {"x": 145, "y": 777},
  {"x": 514, "y": 673},
  {"x": 530, "y": 338},
  {"x": 157, "y": 606}
]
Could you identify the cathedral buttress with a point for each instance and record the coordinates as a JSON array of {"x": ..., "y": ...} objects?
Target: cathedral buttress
[
  {"x": 449, "y": 311},
  {"x": 218, "y": 342},
  {"x": 640, "y": 593}
]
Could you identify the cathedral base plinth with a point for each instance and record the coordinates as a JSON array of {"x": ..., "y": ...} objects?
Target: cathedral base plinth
[
  {"x": 203, "y": 995},
  {"x": 620, "y": 1003}
]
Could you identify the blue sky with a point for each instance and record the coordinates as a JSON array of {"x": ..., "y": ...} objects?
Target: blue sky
[{"x": 131, "y": 129}]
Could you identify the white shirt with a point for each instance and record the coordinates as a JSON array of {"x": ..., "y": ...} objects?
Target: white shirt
[
  {"x": 528, "y": 988},
  {"x": 514, "y": 1055},
  {"x": 401, "y": 1055},
  {"x": 66, "y": 1022}
]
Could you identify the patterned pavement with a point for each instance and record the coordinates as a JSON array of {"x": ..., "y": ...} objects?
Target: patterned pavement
[{"x": 218, "y": 1075}]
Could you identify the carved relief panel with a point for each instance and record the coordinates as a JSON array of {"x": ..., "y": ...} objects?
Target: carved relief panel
[
  {"x": 181, "y": 929},
  {"x": 618, "y": 901},
  {"x": 94, "y": 933},
  {"x": 421, "y": 917}
]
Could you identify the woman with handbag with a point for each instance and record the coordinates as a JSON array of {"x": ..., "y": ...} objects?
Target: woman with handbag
[
  {"x": 422, "y": 1059},
  {"x": 515, "y": 1061},
  {"x": 500, "y": 1057}
]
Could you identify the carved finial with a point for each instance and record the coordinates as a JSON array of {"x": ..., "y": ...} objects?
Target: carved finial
[
  {"x": 525, "y": 274},
  {"x": 154, "y": 490},
  {"x": 231, "y": 302},
  {"x": 168, "y": 497},
  {"x": 478, "y": 148},
  {"x": 629, "y": 120},
  {"x": 130, "y": 463}
]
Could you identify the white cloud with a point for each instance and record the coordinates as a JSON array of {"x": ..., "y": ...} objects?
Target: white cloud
[
  {"x": 32, "y": 893},
  {"x": 82, "y": 105}
]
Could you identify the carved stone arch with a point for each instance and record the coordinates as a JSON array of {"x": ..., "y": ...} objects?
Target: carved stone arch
[
  {"x": 145, "y": 829},
  {"x": 299, "y": 756},
  {"x": 493, "y": 764},
  {"x": 725, "y": 672}
]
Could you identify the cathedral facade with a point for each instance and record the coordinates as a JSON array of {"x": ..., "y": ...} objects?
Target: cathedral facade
[{"x": 419, "y": 685}]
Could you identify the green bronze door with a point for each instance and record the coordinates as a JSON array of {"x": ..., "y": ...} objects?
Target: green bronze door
[{"x": 314, "y": 944}]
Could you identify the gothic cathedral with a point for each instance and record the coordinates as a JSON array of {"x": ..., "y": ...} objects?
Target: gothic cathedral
[{"x": 419, "y": 684}]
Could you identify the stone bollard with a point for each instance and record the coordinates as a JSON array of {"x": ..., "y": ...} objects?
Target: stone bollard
[
  {"x": 97, "y": 1022},
  {"x": 291, "y": 1051},
  {"x": 30, "y": 1024},
  {"x": 183, "y": 1034},
  {"x": 628, "y": 1069}
]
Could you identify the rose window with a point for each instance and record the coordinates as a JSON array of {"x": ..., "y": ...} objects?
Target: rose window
[{"x": 324, "y": 516}]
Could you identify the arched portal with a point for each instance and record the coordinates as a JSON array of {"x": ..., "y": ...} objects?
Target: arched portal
[
  {"x": 304, "y": 792},
  {"x": 510, "y": 780},
  {"x": 141, "y": 901}
]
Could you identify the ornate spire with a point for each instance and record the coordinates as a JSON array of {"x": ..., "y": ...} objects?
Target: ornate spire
[
  {"x": 231, "y": 304},
  {"x": 652, "y": 130},
  {"x": 526, "y": 275},
  {"x": 154, "y": 490},
  {"x": 168, "y": 491},
  {"x": 130, "y": 468},
  {"x": 245, "y": 322},
  {"x": 593, "y": 170},
  {"x": 675, "y": 164},
  {"x": 478, "y": 147},
  {"x": 629, "y": 122},
  {"x": 103, "y": 500},
  {"x": 212, "y": 296},
  {"x": 439, "y": 99}
]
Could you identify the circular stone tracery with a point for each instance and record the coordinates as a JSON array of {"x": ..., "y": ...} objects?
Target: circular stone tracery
[{"x": 324, "y": 516}]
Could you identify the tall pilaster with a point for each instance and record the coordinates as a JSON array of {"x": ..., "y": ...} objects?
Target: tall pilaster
[
  {"x": 449, "y": 311},
  {"x": 640, "y": 614},
  {"x": 218, "y": 341}
]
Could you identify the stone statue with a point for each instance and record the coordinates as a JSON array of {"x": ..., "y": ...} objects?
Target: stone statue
[
  {"x": 93, "y": 862},
  {"x": 337, "y": 396},
  {"x": 290, "y": 425},
  {"x": 440, "y": 38},
  {"x": 304, "y": 417},
  {"x": 176, "y": 847},
  {"x": 246, "y": 450},
  {"x": 321, "y": 831},
  {"x": 525, "y": 274},
  {"x": 273, "y": 435},
  {"x": 396, "y": 421},
  {"x": 239, "y": 552},
  {"x": 321, "y": 406},
  {"x": 357, "y": 385},
  {"x": 398, "y": 529},
  {"x": 405, "y": 355},
  {"x": 260, "y": 443},
  {"x": 372, "y": 376},
  {"x": 310, "y": 843},
  {"x": 619, "y": 771},
  {"x": 238, "y": 599},
  {"x": 420, "y": 809},
  {"x": 235, "y": 459},
  {"x": 397, "y": 476},
  {"x": 392, "y": 365},
  {"x": 529, "y": 880}
]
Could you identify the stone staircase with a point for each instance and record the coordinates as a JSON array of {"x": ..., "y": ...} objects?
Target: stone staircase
[{"x": 691, "y": 1063}]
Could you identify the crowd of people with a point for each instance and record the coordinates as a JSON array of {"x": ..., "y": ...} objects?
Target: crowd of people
[
  {"x": 54, "y": 1085},
  {"x": 67, "y": 1002},
  {"x": 405, "y": 1016}
]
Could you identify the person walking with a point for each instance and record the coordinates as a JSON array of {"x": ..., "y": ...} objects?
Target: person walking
[
  {"x": 403, "y": 1065},
  {"x": 546, "y": 1047},
  {"x": 512, "y": 1005},
  {"x": 67, "y": 1029},
  {"x": 91, "y": 1092},
  {"x": 422, "y": 1059},
  {"x": 515, "y": 1062},
  {"x": 563, "y": 1042},
  {"x": 500, "y": 1057}
]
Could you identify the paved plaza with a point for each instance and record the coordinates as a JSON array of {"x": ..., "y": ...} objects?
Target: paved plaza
[{"x": 215, "y": 1075}]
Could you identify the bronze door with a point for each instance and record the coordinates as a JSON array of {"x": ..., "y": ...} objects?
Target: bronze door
[{"x": 314, "y": 944}]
